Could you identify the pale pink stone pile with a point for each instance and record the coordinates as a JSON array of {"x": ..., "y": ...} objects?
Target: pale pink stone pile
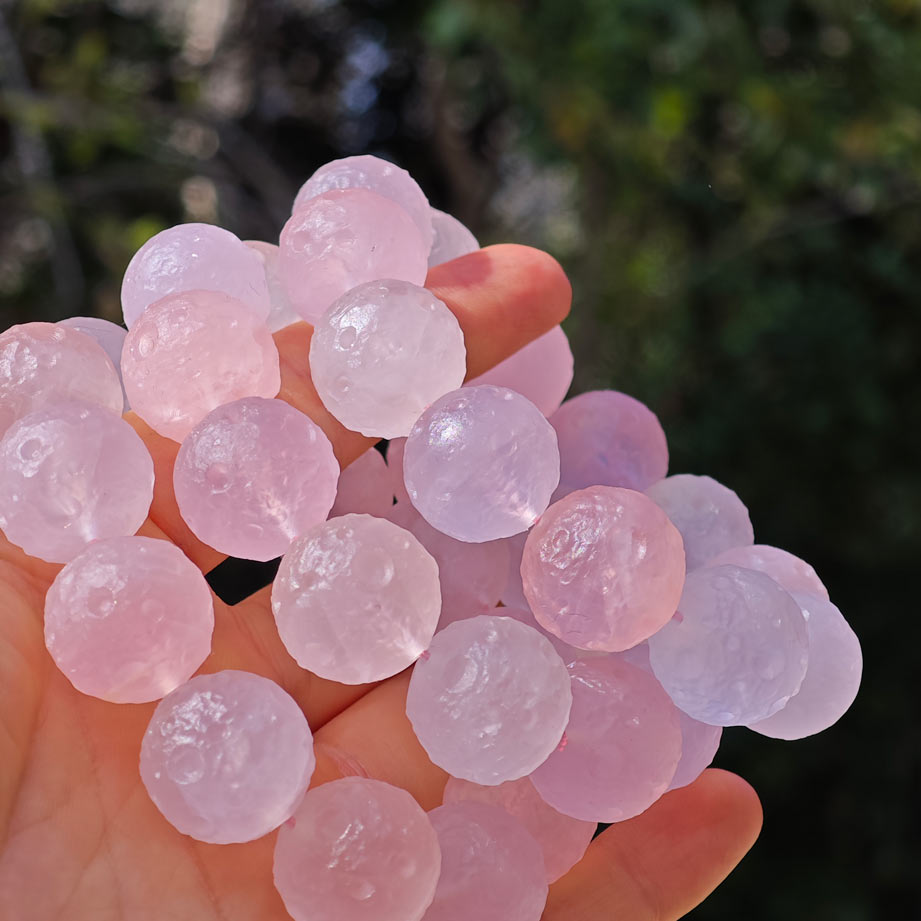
[{"x": 580, "y": 626}]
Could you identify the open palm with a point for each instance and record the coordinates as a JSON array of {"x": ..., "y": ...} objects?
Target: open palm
[{"x": 81, "y": 841}]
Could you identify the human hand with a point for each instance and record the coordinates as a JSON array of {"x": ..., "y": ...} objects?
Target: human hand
[{"x": 79, "y": 837}]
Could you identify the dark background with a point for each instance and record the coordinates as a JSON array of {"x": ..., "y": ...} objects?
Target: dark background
[{"x": 735, "y": 192}]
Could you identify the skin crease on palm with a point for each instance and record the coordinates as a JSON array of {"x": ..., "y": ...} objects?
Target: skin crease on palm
[{"x": 81, "y": 841}]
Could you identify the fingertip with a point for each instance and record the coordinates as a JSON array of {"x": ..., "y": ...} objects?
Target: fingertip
[{"x": 736, "y": 800}]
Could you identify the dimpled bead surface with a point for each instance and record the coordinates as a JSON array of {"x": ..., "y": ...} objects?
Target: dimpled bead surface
[
  {"x": 69, "y": 474},
  {"x": 341, "y": 239},
  {"x": 42, "y": 363},
  {"x": 356, "y": 599},
  {"x": 490, "y": 701},
  {"x": 227, "y": 757},
  {"x": 191, "y": 352},
  {"x": 451, "y": 238},
  {"x": 110, "y": 336},
  {"x": 562, "y": 839},
  {"x": 788, "y": 571},
  {"x": 357, "y": 850},
  {"x": 710, "y": 517},
  {"x": 472, "y": 575},
  {"x": 832, "y": 677},
  {"x": 376, "y": 175},
  {"x": 541, "y": 371},
  {"x": 281, "y": 313},
  {"x": 608, "y": 439},
  {"x": 383, "y": 352},
  {"x": 190, "y": 257},
  {"x": 621, "y": 746},
  {"x": 699, "y": 743},
  {"x": 364, "y": 487},
  {"x": 481, "y": 463},
  {"x": 603, "y": 568},
  {"x": 736, "y": 650},
  {"x": 491, "y": 867},
  {"x": 253, "y": 475},
  {"x": 129, "y": 619}
]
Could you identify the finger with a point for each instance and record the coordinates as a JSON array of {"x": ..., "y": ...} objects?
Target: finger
[
  {"x": 659, "y": 865},
  {"x": 503, "y": 297}
]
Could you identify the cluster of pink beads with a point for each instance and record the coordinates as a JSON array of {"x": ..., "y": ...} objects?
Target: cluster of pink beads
[{"x": 582, "y": 626}]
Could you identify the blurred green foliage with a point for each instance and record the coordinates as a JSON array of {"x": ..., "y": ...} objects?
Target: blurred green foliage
[{"x": 735, "y": 190}]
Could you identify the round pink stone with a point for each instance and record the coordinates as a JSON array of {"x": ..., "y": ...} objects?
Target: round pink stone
[
  {"x": 281, "y": 313},
  {"x": 832, "y": 677},
  {"x": 376, "y": 175},
  {"x": 451, "y": 238},
  {"x": 364, "y": 487},
  {"x": 383, "y": 352},
  {"x": 69, "y": 474},
  {"x": 189, "y": 353},
  {"x": 109, "y": 335},
  {"x": 341, "y": 239},
  {"x": 788, "y": 571},
  {"x": 603, "y": 568},
  {"x": 513, "y": 594},
  {"x": 491, "y": 867},
  {"x": 129, "y": 619},
  {"x": 541, "y": 371},
  {"x": 357, "y": 850},
  {"x": 191, "y": 257},
  {"x": 566, "y": 652},
  {"x": 43, "y": 363},
  {"x": 736, "y": 650},
  {"x": 472, "y": 575},
  {"x": 227, "y": 757},
  {"x": 490, "y": 701},
  {"x": 253, "y": 475},
  {"x": 395, "y": 451},
  {"x": 356, "y": 599},
  {"x": 710, "y": 517},
  {"x": 621, "y": 746},
  {"x": 562, "y": 838},
  {"x": 699, "y": 743},
  {"x": 608, "y": 439},
  {"x": 481, "y": 463}
]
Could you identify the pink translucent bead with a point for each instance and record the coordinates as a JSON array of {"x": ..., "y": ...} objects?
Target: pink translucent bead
[
  {"x": 541, "y": 371},
  {"x": 491, "y": 867},
  {"x": 395, "y": 451},
  {"x": 566, "y": 652},
  {"x": 472, "y": 575},
  {"x": 43, "y": 363},
  {"x": 699, "y": 743},
  {"x": 356, "y": 599},
  {"x": 357, "y": 850},
  {"x": 603, "y": 568},
  {"x": 832, "y": 677},
  {"x": 189, "y": 353},
  {"x": 109, "y": 335},
  {"x": 710, "y": 517},
  {"x": 608, "y": 439},
  {"x": 513, "y": 594},
  {"x": 191, "y": 257},
  {"x": 69, "y": 474},
  {"x": 562, "y": 838},
  {"x": 341, "y": 239},
  {"x": 451, "y": 238},
  {"x": 383, "y": 352},
  {"x": 621, "y": 746},
  {"x": 364, "y": 487},
  {"x": 490, "y": 701},
  {"x": 129, "y": 619},
  {"x": 736, "y": 650},
  {"x": 481, "y": 463},
  {"x": 376, "y": 175},
  {"x": 253, "y": 475},
  {"x": 281, "y": 313},
  {"x": 788, "y": 571},
  {"x": 227, "y": 757}
]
